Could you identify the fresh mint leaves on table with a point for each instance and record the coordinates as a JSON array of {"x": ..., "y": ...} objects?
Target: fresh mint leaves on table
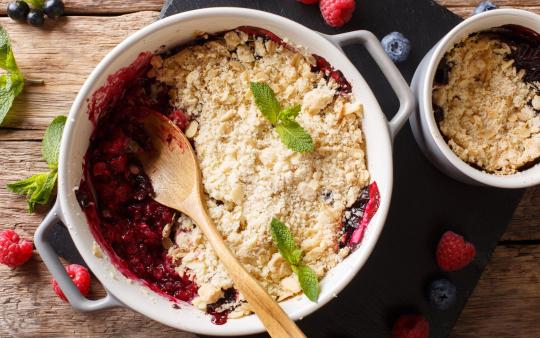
[
  {"x": 283, "y": 239},
  {"x": 12, "y": 81},
  {"x": 291, "y": 133},
  {"x": 38, "y": 188}
]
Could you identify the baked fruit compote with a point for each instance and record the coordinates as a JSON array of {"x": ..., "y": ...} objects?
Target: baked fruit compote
[{"x": 249, "y": 176}]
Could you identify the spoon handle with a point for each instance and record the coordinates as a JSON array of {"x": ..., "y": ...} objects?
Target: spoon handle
[{"x": 276, "y": 321}]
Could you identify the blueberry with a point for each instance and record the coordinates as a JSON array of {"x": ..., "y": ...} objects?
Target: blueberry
[
  {"x": 54, "y": 8},
  {"x": 397, "y": 46},
  {"x": 484, "y": 6},
  {"x": 18, "y": 10},
  {"x": 35, "y": 18},
  {"x": 442, "y": 294}
]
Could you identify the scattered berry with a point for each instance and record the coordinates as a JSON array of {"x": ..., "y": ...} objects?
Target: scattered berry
[
  {"x": 484, "y": 6},
  {"x": 336, "y": 13},
  {"x": 442, "y": 293},
  {"x": 18, "y": 10},
  {"x": 309, "y": 2},
  {"x": 80, "y": 276},
  {"x": 397, "y": 46},
  {"x": 35, "y": 17},
  {"x": 179, "y": 118},
  {"x": 54, "y": 8},
  {"x": 410, "y": 326},
  {"x": 453, "y": 252},
  {"x": 14, "y": 251}
]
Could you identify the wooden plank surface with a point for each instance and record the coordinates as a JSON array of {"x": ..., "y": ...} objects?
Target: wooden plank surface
[
  {"x": 102, "y": 7},
  {"x": 67, "y": 51},
  {"x": 501, "y": 3},
  {"x": 29, "y": 308},
  {"x": 466, "y": 11},
  {"x": 525, "y": 225},
  {"x": 505, "y": 302}
]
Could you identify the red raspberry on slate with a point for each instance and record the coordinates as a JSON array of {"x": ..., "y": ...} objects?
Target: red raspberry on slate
[
  {"x": 336, "y": 13},
  {"x": 14, "y": 251},
  {"x": 453, "y": 252},
  {"x": 410, "y": 326},
  {"x": 309, "y": 2},
  {"x": 80, "y": 277}
]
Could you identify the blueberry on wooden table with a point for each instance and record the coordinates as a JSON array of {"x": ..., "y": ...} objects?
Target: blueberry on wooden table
[
  {"x": 18, "y": 10},
  {"x": 54, "y": 8},
  {"x": 35, "y": 18},
  {"x": 484, "y": 6}
]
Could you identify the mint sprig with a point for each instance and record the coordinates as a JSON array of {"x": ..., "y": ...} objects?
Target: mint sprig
[
  {"x": 284, "y": 240},
  {"x": 308, "y": 281},
  {"x": 291, "y": 132},
  {"x": 12, "y": 81},
  {"x": 39, "y": 187},
  {"x": 50, "y": 145}
]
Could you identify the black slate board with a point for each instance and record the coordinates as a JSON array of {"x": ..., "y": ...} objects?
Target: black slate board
[{"x": 425, "y": 202}]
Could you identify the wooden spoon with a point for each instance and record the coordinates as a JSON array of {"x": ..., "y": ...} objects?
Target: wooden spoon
[{"x": 176, "y": 178}]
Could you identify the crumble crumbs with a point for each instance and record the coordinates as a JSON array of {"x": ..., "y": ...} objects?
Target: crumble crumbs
[
  {"x": 249, "y": 176},
  {"x": 491, "y": 116}
]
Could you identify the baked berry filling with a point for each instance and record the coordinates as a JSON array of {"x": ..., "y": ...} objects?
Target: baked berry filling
[{"x": 117, "y": 195}]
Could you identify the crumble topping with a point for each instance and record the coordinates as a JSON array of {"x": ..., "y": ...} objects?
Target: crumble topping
[
  {"x": 488, "y": 113},
  {"x": 249, "y": 176}
]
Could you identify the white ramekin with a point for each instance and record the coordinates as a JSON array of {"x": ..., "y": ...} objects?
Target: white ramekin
[
  {"x": 423, "y": 122},
  {"x": 171, "y": 32}
]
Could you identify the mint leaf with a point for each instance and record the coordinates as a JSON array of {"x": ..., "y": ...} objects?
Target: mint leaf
[
  {"x": 266, "y": 100},
  {"x": 284, "y": 240},
  {"x": 12, "y": 82},
  {"x": 289, "y": 113},
  {"x": 50, "y": 146},
  {"x": 308, "y": 281},
  {"x": 291, "y": 133},
  {"x": 44, "y": 191},
  {"x": 294, "y": 136},
  {"x": 36, "y": 3},
  {"x": 7, "y": 95},
  {"x": 37, "y": 188}
]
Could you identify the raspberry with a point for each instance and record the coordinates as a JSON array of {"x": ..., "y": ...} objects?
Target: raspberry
[
  {"x": 14, "y": 251},
  {"x": 410, "y": 326},
  {"x": 453, "y": 252},
  {"x": 309, "y": 2},
  {"x": 336, "y": 13},
  {"x": 179, "y": 118},
  {"x": 79, "y": 275}
]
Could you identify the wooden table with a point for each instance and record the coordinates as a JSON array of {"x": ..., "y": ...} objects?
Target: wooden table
[{"x": 505, "y": 303}]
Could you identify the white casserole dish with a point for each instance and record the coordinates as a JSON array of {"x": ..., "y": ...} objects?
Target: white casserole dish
[
  {"x": 173, "y": 31},
  {"x": 424, "y": 127}
]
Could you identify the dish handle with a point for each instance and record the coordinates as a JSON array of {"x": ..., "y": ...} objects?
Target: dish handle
[
  {"x": 389, "y": 70},
  {"x": 51, "y": 260}
]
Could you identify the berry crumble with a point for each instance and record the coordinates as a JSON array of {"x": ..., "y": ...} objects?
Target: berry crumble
[
  {"x": 487, "y": 99},
  {"x": 249, "y": 176}
]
